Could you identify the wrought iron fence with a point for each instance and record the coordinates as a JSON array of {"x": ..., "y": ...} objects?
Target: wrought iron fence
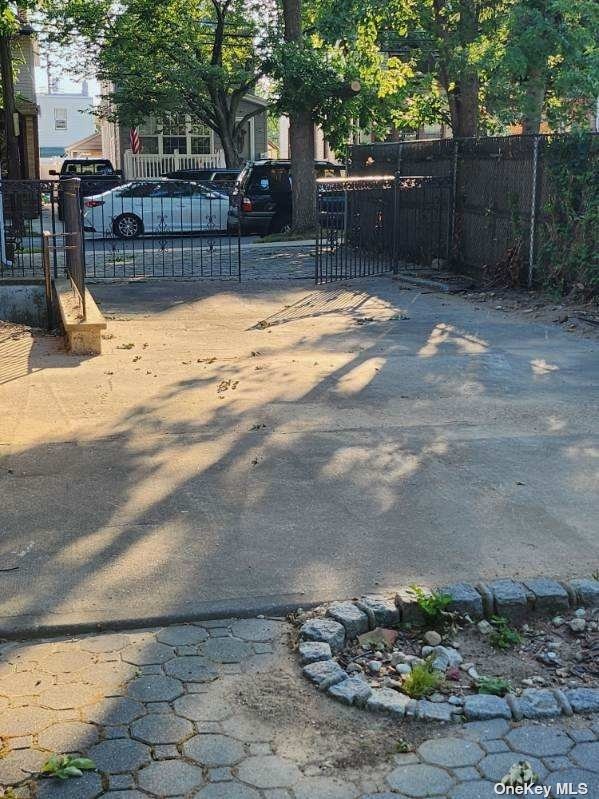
[
  {"x": 73, "y": 238},
  {"x": 499, "y": 191},
  {"x": 161, "y": 228},
  {"x": 368, "y": 226}
]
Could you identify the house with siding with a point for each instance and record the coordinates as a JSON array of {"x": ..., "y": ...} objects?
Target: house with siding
[
  {"x": 24, "y": 54},
  {"x": 180, "y": 143}
]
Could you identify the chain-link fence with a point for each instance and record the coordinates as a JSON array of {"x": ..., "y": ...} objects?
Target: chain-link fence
[{"x": 500, "y": 212}]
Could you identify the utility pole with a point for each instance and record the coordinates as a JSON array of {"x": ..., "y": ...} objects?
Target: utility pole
[{"x": 13, "y": 155}]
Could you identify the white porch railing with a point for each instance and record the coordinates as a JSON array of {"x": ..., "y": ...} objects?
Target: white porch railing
[{"x": 144, "y": 165}]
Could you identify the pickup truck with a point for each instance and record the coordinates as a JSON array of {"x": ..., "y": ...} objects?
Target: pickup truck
[{"x": 96, "y": 174}]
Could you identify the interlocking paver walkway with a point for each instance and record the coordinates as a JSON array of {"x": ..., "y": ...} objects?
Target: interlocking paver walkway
[{"x": 219, "y": 711}]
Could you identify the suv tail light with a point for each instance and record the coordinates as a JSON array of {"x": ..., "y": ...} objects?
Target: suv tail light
[
  {"x": 92, "y": 203},
  {"x": 246, "y": 204}
]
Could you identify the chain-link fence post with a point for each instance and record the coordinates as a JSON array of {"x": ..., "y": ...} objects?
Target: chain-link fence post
[{"x": 533, "y": 210}]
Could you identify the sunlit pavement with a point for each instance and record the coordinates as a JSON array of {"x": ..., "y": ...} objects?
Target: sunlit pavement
[{"x": 245, "y": 447}]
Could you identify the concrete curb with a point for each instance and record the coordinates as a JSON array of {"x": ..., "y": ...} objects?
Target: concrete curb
[{"x": 510, "y": 598}]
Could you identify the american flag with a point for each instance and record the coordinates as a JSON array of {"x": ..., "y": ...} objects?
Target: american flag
[{"x": 134, "y": 140}]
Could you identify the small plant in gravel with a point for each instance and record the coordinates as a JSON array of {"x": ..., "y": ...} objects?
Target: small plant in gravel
[
  {"x": 503, "y": 636},
  {"x": 66, "y": 766},
  {"x": 402, "y": 746},
  {"x": 496, "y": 686},
  {"x": 432, "y": 604},
  {"x": 422, "y": 681}
]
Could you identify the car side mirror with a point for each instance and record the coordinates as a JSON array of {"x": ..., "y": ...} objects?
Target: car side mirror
[
  {"x": 118, "y": 172},
  {"x": 52, "y": 172}
]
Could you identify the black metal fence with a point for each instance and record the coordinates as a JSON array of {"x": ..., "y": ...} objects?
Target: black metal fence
[
  {"x": 499, "y": 190},
  {"x": 368, "y": 226},
  {"x": 73, "y": 238}
]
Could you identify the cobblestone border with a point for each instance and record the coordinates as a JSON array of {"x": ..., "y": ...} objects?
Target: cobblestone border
[{"x": 322, "y": 637}]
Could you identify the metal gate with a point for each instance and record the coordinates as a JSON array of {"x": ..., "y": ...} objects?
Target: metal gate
[{"x": 369, "y": 226}]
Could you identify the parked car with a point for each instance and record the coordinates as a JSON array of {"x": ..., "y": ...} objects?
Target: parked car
[
  {"x": 261, "y": 199},
  {"x": 155, "y": 206},
  {"x": 221, "y": 179},
  {"x": 96, "y": 175}
]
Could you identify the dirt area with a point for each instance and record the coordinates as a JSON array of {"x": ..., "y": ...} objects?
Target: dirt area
[{"x": 465, "y": 657}]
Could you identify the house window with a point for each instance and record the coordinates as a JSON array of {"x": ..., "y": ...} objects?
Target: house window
[
  {"x": 175, "y": 134},
  {"x": 60, "y": 119},
  {"x": 200, "y": 138}
]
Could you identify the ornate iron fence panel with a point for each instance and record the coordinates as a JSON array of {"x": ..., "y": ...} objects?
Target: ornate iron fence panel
[{"x": 369, "y": 226}]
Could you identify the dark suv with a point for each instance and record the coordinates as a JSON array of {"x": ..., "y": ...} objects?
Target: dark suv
[{"x": 261, "y": 199}]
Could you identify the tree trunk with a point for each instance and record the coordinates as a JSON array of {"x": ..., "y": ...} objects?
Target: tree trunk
[
  {"x": 13, "y": 155},
  {"x": 232, "y": 157},
  {"x": 533, "y": 102},
  {"x": 301, "y": 141},
  {"x": 463, "y": 107}
]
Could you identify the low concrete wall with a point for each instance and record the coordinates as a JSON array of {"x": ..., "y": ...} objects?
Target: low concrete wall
[{"x": 23, "y": 301}]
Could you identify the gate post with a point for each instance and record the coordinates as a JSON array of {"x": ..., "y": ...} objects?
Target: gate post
[
  {"x": 533, "y": 210},
  {"x": 454, "y": 191}
]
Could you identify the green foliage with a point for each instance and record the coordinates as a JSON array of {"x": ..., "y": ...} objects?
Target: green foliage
[
  {"x": 496, "y": 686},
  {"x": 402, "y": 746},
  {"x": 66, "y": 766},
  {"x": 432, "y": 604},
  {"x": 422, "y": 681},
  {"x": 568, "y": 254},
  {"x": 503, "y": 636},
  {"x": 520, "y": 774}
]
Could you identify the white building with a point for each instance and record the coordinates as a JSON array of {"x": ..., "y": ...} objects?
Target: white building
[{"x": 63, "y": 119}]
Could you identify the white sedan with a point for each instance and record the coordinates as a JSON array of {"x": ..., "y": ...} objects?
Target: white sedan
[{"x": 157, "y": 205}]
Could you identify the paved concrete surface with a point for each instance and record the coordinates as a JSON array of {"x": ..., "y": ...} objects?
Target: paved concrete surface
[
  {"x": 221, "y": 464},
  {"x": 220, "y": 711}
]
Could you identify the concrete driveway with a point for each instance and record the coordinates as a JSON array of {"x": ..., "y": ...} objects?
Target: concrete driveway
[{"x": 239, "y": 447}]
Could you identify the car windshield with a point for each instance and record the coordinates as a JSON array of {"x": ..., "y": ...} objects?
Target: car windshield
[{"x": 90, "y": 168}]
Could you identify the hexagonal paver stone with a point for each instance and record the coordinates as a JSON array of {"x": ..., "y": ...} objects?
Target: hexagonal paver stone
[
  {"x": 147, "y": 654},
  {"x": 257, "y": 630},
  {"x": 246, "y": 729},
  {"x": 191, "y": 668},
  {"x": 575, "y": 777},
  {"x": 350, "y": 616},
  {"x": 477, "y": 789},
  {"x": 161, "y": 728},
  {"x": 70, "y": 695},
  {"x": 21, "y": 764},
  {"x": 25, "y": 720},
  {"x": 482, "y": 707},
  {"x": 269, "y": 771},
  {"x": 114, "y": 710},
  {"x": 311, "y": 651},
  {"x": 182, "y": 635},
  {"x": 170, "y": 778},
  {"x": 202, "y": 707},
  {"x": 495, "y": 767},
  {"x": 327, "y": 630},
  {"x": 66, "y": 662},
  {"x": 24, "y": 683},
  {"x": 451, "y": 752},
  {"x": 108, "y": 675},
  {"x": 213, "y": 750},
  {"x": 540, "y": 741},
  {"x": 489, "y": 730},
  {"x": 353, "y": 691},
  {"x": 464, "y": 599},
  {"x": 89, "y": 786},
  {"x": 104, "y": 643},
  {"x": 583, "y": 700},
  {"x": 420, "y": 780},
  {"x": 435, "y": 711},
  {"x": 538, "y": 703},
  {"x": 324, "y": 788},
  {"x": 324, "y": 673},
  {"x": 228, "y": 790},
  {"x": 226, "y": 650},
  {"x": 68, "y": 736},
  {"x": 586, "y": 755},
  {"x": 155, "y": 688},
  {"x": 119, "y": 755}
]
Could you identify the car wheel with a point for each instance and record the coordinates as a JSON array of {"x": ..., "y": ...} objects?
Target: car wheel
[{"x": 127, "y": 226}]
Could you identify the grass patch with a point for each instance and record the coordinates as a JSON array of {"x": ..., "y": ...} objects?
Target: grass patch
[
  {"x": 422, "y": 681},
  {"x": 273, "y": 237}
]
